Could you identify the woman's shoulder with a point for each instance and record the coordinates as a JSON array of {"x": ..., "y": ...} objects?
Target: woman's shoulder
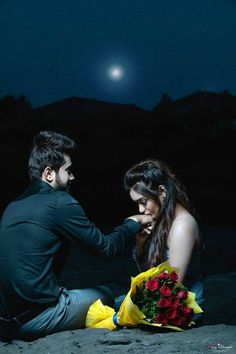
[
  {"x": 183, "y": 219},
  {"x": 184, "y": 227}
]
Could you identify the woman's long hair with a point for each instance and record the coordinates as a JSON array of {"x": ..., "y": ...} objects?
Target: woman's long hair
[{"x": 146, "y": 178}]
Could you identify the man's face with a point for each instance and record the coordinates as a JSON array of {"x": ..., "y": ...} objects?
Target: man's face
[{"x": 64, "y": 176}]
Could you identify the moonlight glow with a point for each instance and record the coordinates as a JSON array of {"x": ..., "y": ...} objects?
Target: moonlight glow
[{"x": 115, "y": 72}]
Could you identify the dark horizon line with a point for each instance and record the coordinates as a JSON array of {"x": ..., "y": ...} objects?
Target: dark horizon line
[{"x": 222, "y": 92}]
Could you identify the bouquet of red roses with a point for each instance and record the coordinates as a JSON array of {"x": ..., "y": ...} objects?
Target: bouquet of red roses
[
  {"x": 155, "y": 298},
  {"x": 163, "y": 300}
]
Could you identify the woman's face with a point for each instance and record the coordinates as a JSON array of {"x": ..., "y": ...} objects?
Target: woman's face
[{"x": 146, "y": 206}]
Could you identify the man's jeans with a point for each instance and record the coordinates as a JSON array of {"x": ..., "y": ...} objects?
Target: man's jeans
[{"x": 69, "y": 313}]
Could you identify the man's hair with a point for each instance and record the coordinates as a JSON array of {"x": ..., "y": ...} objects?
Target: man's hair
[{"x": 48, "y": 149}]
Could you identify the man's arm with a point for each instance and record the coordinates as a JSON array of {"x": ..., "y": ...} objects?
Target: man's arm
[{"x": 72, "y": 223}]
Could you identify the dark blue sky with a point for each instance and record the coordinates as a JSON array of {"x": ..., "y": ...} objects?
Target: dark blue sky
[{"x": 54, "y": 49}]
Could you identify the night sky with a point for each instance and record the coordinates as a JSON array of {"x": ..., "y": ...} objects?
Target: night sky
[{"x": 121, "y": 51}]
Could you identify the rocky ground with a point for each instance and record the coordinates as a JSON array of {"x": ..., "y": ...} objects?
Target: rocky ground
[{"x": 217, "y": 334}]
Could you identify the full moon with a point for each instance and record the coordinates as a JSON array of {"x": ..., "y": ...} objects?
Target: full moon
[{"x": 115, "y": 72}]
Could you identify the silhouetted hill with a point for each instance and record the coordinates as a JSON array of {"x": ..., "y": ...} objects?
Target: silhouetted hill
[
  {"x": 89, "y": 107},
  {"x": 90, "y": 119},
  {"x": 202, "y": 110},
  {"x": 195, "y": 135},
  {"x": 200, "y": 100}
]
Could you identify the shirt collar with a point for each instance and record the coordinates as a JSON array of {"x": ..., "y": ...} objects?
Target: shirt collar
[{"x": 36, "y": 186}]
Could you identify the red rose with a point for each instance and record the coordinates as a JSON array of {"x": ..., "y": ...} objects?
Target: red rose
[
  {"x": 186, "y": 310},
  {"x": 165, "y": 291},
  {"x": 164, "y": 302},
  {"x": 162, "y": 275},
  {"x": 151, "y": 284},
  {"x": 161, "y": 318},
  {"x": 181, "y": 321},
  {"x": 174, "y": 302},
  {"x": 172, "y": 313},
  {"x": 182, "y": 294},
  {"x": 173, "y": 277}
]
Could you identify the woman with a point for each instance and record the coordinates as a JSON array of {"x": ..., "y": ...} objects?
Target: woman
[{"x": 174, "y": 234}]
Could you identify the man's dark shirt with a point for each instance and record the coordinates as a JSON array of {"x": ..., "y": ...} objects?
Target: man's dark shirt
[{"x": 32, "y": 233}]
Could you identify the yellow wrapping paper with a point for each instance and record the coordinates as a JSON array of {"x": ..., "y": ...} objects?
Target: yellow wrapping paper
[
  {"x": 100, "y": 316},
  {"x": 129, "y": 315}
]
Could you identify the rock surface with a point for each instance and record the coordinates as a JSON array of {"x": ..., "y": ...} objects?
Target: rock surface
[{"x": 205, "y": 339}]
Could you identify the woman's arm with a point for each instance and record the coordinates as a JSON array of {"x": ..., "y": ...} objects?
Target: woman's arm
[
  {"x": 139, "y": 253},
  {"x": 181, "y": 242}
]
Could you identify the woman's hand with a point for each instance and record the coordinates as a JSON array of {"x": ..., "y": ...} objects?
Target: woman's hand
[
  {"x": 142, "y": 237},
  {"x": 148, "y": 228}
]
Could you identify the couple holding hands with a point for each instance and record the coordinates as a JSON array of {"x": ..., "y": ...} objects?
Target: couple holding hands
[{"x": 37, "y": 227}]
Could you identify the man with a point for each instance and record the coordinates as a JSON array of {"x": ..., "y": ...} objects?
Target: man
[{"x": 35, "y": 229}]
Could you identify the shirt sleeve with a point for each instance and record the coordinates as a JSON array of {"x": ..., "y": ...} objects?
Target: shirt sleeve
[{"x": 72, "y": 223}]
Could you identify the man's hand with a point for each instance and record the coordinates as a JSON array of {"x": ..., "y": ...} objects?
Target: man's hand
[{"x": 144, "y": 220}]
